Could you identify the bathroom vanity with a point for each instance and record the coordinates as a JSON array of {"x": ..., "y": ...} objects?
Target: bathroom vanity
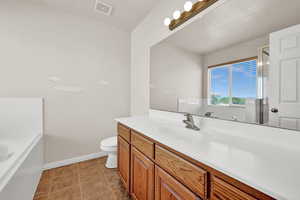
[{"x": 160, "y": 159}]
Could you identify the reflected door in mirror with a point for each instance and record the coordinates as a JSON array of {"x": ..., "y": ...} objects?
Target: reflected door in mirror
[{"x": 284, "y": 78}]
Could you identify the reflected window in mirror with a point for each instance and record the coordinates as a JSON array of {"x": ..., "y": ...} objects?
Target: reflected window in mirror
[
  {"x": 219, "y": 85},
  {"x": 232, "y": 84}
]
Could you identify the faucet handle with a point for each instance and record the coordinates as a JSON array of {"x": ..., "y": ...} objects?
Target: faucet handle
[
  {"x": 189, "y": 117},
  {"x": 187, "y": 114}
]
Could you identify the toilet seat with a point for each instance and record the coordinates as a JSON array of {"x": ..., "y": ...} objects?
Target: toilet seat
[{"x": 109, "y": 144}]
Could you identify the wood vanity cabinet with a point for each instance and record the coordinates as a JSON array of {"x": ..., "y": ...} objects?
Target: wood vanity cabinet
[
  {"x": 142, "y": 176},
  {"x": 124, "y": 162},
  {"x": 152, "y": 171}
]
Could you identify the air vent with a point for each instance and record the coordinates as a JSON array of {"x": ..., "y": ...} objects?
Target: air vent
[{"x": 103, "y": 8}]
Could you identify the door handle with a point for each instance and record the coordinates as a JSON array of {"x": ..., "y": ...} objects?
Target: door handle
[{"x": 274, "y": 110}]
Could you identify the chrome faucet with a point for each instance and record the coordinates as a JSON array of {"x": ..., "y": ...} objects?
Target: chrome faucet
[{"x": 190, "y": 124}]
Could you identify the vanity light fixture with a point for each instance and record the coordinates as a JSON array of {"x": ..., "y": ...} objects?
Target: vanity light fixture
[
  {"x": 176, "y": 14},
  {"x": 188, "y": 6},
  {"x": 190, "y": 10},
  {"x": 167, "y": 21}
]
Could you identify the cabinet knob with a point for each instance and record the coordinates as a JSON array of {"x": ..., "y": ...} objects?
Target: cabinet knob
[{"x": 274, "y": 110}]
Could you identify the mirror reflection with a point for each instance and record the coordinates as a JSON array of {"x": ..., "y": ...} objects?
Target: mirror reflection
[{"x": 244, "y": 68}]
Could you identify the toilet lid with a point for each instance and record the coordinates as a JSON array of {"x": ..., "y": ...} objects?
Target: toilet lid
[{"x": 109, "y": 142}]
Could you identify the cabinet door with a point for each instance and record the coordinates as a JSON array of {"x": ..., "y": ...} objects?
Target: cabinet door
[
  {"x": 142, "y": 176},
  {"x": 124, "y": 161},
  {"x": 167, "y": 188},
  {"x": 224, "y": 191}
]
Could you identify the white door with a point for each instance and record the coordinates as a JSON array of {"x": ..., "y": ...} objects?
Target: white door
[{"x": 284, "y": 91}]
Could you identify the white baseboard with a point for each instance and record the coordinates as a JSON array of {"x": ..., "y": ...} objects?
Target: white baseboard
[{"x": 73, "y": 160}]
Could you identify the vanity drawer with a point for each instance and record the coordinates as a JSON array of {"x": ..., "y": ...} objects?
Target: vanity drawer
[
  {"x": 187, "y": 173},
  {"x": 142, "y": 144},
  {"x": 124, "y": 132},
  {"x": 223, "y": 191}
]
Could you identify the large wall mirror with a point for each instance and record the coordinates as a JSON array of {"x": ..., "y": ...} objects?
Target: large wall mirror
[{"x": 239, "y": 62}]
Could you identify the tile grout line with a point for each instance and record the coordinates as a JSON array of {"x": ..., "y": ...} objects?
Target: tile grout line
[
  {"x": 50, "y": 185},
  {"x": 79, "y": 180}
]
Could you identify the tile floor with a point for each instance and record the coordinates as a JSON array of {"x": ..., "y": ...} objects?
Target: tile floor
[{"x": 88, "y": 180}]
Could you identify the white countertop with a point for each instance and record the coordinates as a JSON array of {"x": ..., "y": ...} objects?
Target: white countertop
[{"x": 269, "y": 167}]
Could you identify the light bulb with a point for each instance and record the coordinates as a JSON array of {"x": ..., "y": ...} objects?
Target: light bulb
[
  {"x": 188, "y": 6},
  {"x": 176, "y": 14},
  {"x": 167, "y": 21}
]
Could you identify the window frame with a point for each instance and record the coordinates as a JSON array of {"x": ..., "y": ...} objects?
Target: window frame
[{"x": 229, "y": 65}]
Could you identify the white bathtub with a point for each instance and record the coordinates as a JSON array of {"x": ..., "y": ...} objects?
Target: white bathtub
[
  {"x": 21, "y": 133},
  {"x": 20, "y": 173},
  {"x": 5, "y": 152}
]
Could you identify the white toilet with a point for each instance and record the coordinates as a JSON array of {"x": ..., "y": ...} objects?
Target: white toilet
[{"x": 110, "y": 146}]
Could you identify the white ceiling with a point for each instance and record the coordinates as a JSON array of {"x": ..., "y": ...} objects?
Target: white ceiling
[
  {"x": 234, "y": 22},
  {"x": 126, "y": 14}
]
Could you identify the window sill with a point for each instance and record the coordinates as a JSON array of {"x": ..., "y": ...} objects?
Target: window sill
[{"x": 227, "y": 106}]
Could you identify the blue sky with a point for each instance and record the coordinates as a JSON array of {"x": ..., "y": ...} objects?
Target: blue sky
[{"x": 243, "y": 80}]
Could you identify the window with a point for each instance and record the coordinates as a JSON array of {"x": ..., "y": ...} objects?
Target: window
[{"x": 233, "y": 83}]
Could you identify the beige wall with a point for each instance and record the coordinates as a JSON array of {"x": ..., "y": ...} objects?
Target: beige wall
[{"x": 91, "y": 59}]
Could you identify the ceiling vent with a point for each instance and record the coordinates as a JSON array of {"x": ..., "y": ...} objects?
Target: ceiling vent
[{"x": 103, "y": 8}]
